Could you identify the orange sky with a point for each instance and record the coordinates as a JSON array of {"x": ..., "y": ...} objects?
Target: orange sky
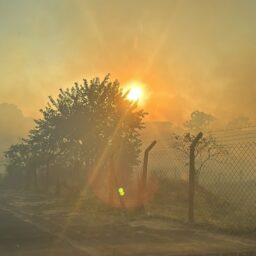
[{"x": 191, "y": 55}]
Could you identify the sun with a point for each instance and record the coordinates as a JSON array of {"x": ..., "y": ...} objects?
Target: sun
[
  {"x": 134, "y": 94},
  {"x": 135, "y": 91}
]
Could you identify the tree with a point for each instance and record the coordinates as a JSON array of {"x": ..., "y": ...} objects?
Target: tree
[
  {"x": 81, "y": 130},
  {"x": 16, "y": 163},
  {"x": 207, "y": 149},
  {"x": 199, "y": 121},
  {"x": 238, "y": 123}
]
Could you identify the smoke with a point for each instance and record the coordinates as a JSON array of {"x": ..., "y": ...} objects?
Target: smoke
[
  {"x": 13, "y": 122},
  {"x": 237, "y": 74},
  {"x": 191, "y": 55},
  {"x": 13, "y": 127}
]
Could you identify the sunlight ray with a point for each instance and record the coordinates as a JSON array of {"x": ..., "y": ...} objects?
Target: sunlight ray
[{"x": 92, "y": 177}]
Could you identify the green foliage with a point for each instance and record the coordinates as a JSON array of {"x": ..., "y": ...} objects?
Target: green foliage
[{"x": 79, "y": 130}]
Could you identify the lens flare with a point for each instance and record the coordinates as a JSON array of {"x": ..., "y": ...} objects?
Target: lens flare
[{"x": 121, "y": 191}]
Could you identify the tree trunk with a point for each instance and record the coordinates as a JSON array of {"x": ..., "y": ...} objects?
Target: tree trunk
[
  {"x": 35, "y": 181},
  {"x": 47, "y": 176},
  {"x": 31, "y": 180},
  {"x": 111, "y": 184},
  {"x": 27, "y": 180},
  {"x": 197, "y": 179},
  {"x": 57, "y": 185}
]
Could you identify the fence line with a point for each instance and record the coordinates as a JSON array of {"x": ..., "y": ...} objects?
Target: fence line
[{"x": 225, "y": 193}]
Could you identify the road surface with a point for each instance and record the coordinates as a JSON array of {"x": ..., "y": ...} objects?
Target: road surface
[
  {"x": 20, "y": 238},
  {"x": 30, "y": 226}
]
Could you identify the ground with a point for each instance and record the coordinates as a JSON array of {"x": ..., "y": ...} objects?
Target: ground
[
  {"x": 36, "y": 225},
  {"x": 19, "y": 237}
]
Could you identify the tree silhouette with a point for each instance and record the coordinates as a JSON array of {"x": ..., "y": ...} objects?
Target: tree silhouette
[
  {"x": 238, "y": 123},
  {"x": 17, "y": 158},
  {"x": 207, "y": 148},
  {"x": 199, "y": 121},
  {"x": 80, "y": 131}
]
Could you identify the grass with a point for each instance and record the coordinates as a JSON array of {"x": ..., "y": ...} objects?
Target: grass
[
  {"x": 169, "y": 199},
  {"x": 211, "y": 211}
]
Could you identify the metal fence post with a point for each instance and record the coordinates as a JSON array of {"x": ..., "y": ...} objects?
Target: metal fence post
[
  {"x": 191, "y": 193},
  {"x": 143, "y": 180}
]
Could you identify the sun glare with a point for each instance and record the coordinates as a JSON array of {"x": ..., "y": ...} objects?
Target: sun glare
[
  {"x": 136, "y": 91},
  {"x": 134, "y": 94}
]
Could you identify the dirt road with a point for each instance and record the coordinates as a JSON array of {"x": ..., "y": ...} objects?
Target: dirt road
[
  {"x": 32, "y": 226},
  {"x": 20, "y": 238}
]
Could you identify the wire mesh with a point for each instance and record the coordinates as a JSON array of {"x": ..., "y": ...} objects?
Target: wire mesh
[{"x": 225, "y": 187}]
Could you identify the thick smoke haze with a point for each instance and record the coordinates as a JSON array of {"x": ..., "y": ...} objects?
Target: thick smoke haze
[
  {"x": 190, "y": 54},
  {"x": 13, "y": 127}
]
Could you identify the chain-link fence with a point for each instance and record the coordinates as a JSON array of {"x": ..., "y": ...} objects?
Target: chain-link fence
[{"x": 225, "y": 187}]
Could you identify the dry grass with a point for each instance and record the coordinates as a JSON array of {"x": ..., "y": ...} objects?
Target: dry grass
[{"x": 211, "y": 211}]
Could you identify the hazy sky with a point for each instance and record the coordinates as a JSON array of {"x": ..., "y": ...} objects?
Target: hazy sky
[
  {"x": 190, "y": 54},
  {"x": 13, "y": 126}
]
